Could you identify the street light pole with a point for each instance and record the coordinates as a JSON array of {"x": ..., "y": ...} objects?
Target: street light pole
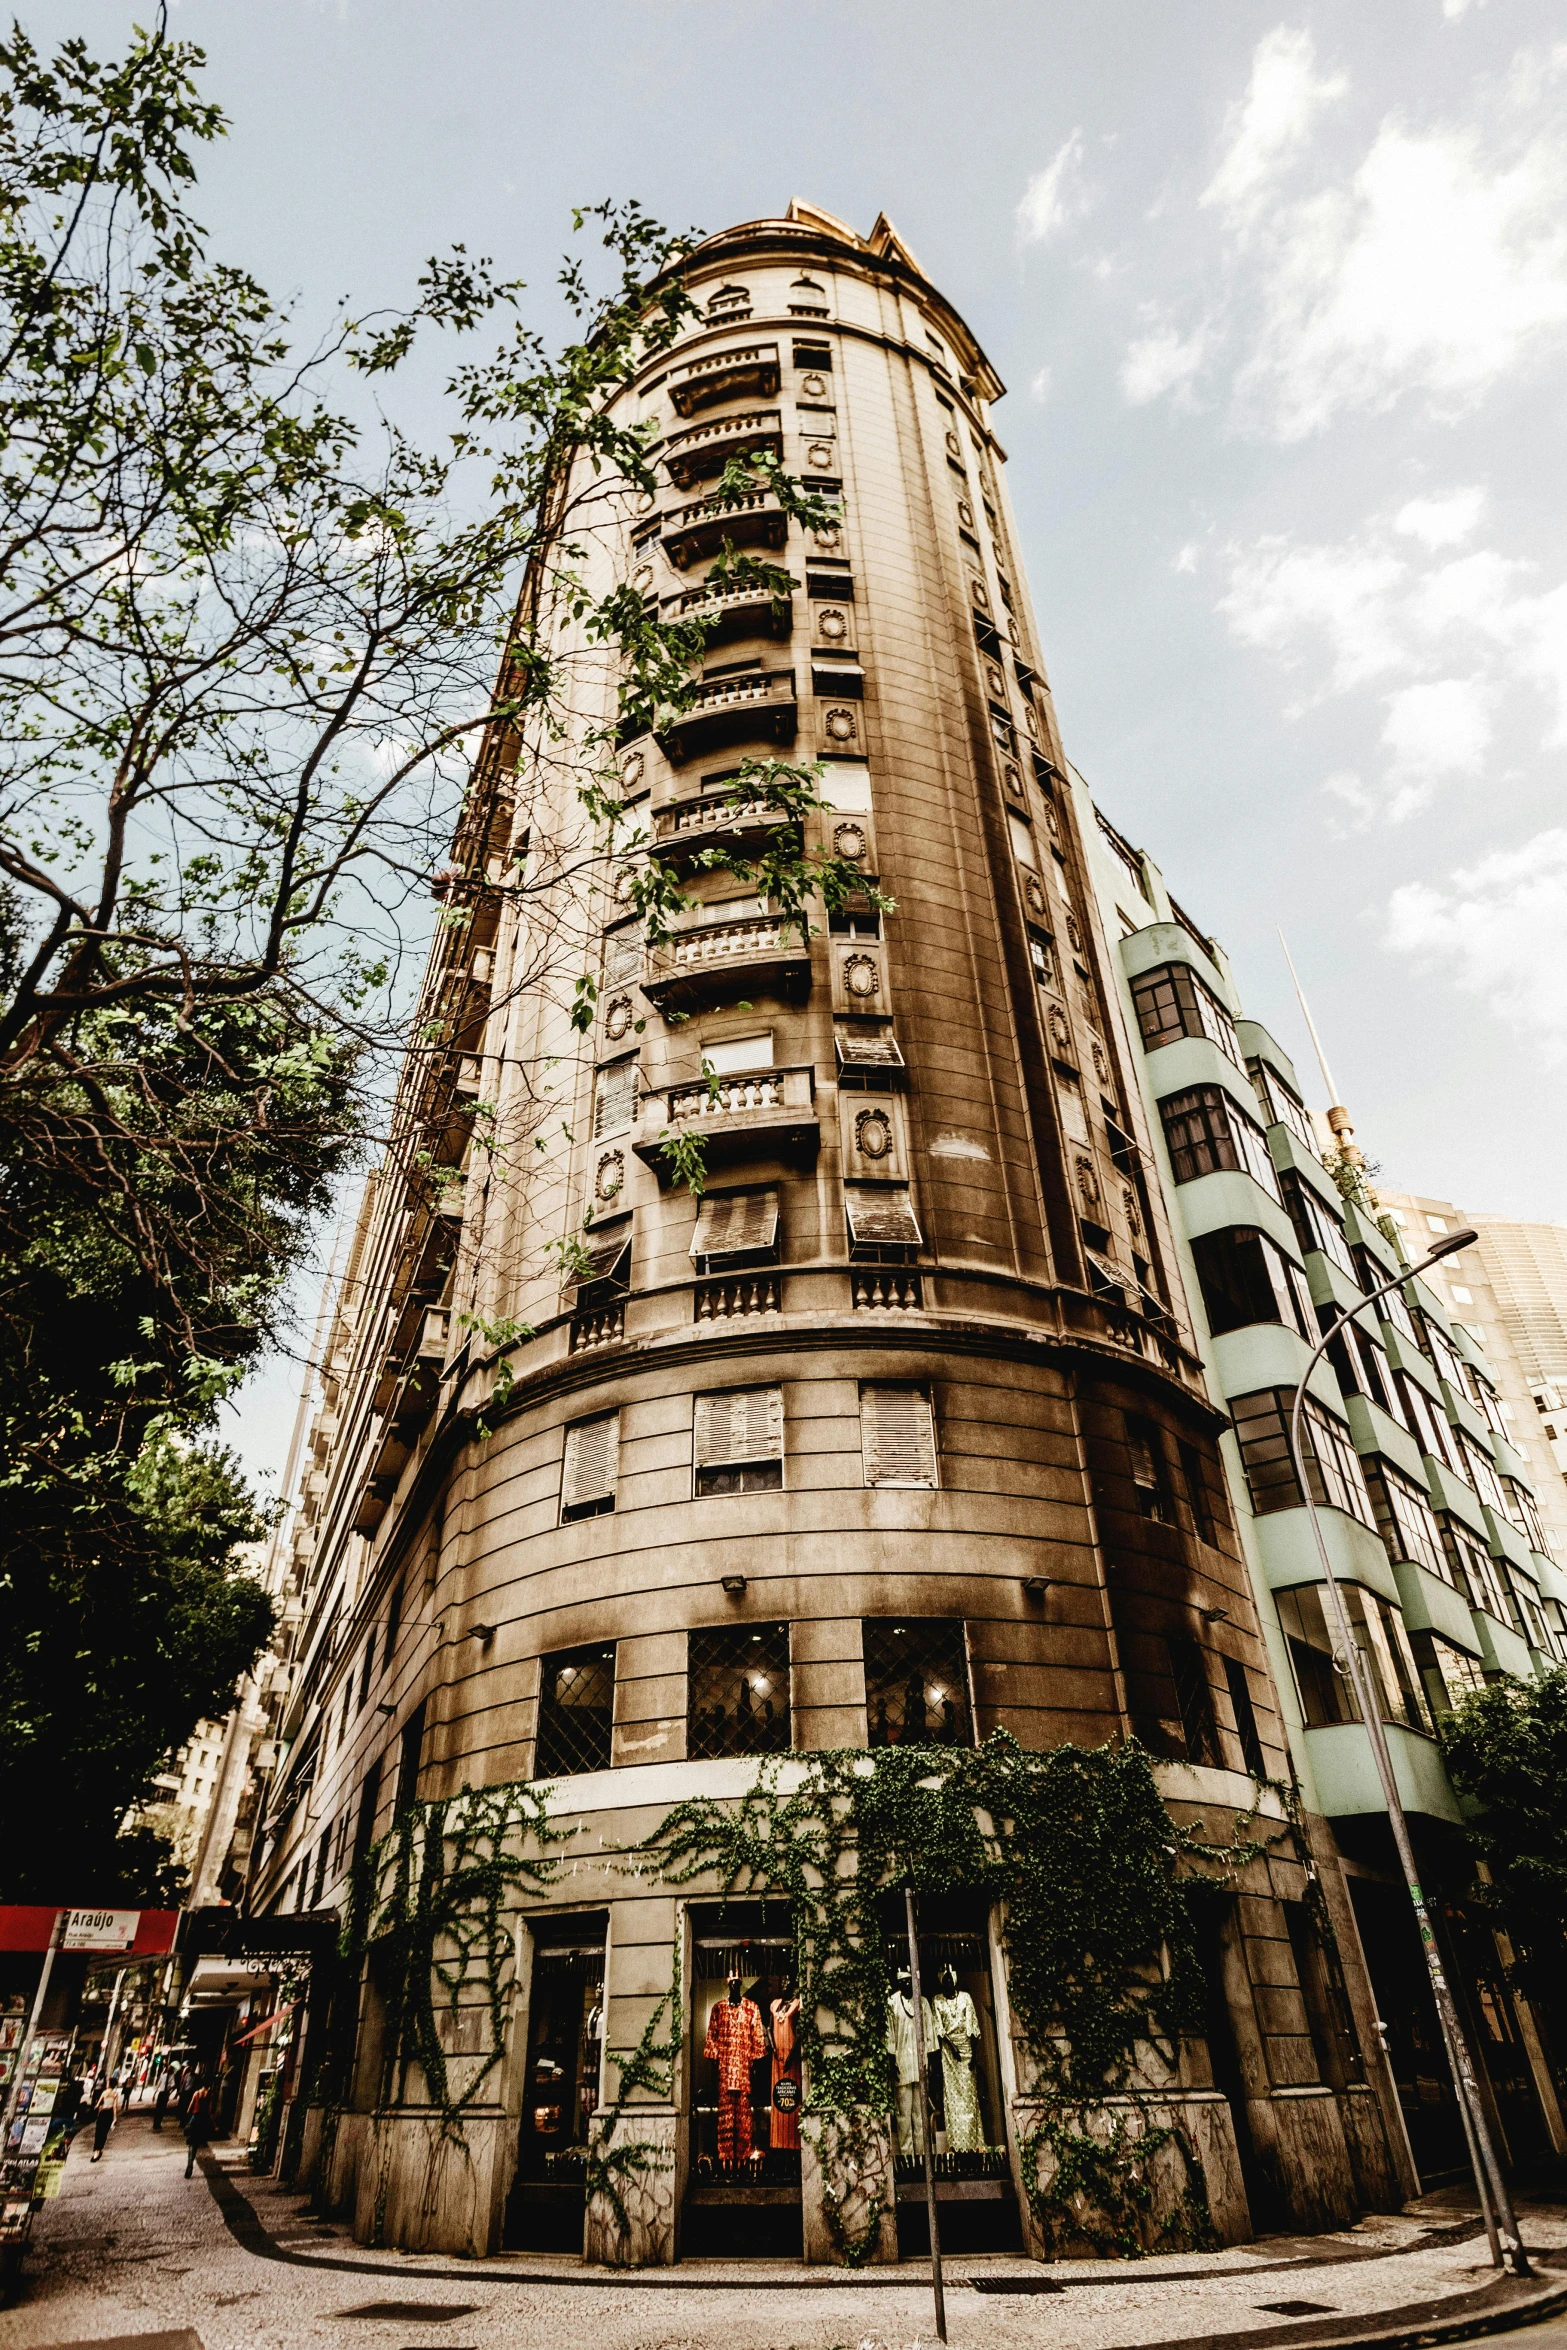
[{"x": 1492, "y": 2187}]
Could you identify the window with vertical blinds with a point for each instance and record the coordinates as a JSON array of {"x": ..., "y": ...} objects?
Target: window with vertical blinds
[
  {"x": 737, "y": 1440},
  {"x": 897, "y": 1435},
  {"x": 590, "y": 1468}
]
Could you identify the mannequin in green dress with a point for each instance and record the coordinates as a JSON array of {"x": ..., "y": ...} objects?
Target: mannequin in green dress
[{"x": 957, "y": 2032}]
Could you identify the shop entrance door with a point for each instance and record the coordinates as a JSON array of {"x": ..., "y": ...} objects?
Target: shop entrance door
[{"x": 546, "y": 2209}]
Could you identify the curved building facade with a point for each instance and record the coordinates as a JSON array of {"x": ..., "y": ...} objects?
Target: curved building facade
[{"x": 896, "y": 1433}]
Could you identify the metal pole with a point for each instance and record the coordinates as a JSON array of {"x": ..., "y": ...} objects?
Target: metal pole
[
  {"x": 1487, "y": 2169},
  {"x": 930, "y": 2176},
  {"x": 56, "y": 1936},
  {"x": 106, "y": 2052}
]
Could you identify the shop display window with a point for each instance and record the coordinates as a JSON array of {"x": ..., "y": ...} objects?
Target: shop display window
[
  {"x": 561, "y": 2085},
  {"x": 743, "y": 2195}
]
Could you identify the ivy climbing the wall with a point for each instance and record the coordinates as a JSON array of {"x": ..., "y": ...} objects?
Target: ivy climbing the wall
[{"x": 1099, "y": 1890}]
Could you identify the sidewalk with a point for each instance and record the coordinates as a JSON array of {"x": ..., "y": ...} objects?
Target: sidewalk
[{"x": 131, "y": 2248}]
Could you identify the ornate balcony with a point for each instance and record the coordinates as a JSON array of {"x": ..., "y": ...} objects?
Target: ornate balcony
[
  {"x": 760, "y": 1113},
  {"x": 733, "y": 612},
  {"x": 696, "y": 531},
  {"x": 736, "y": 1299},
  {"x": 750, "y": 374},
  {"x": 695, "y": 824},
  {"x": 884, "y": 1289},
  {"x": 706, "y": 449},
  {"x": 753, "y": 705}
]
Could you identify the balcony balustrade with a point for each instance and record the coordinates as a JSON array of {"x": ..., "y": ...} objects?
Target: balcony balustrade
[
  {"x": 694, "y": 824},
  {"x": 761, "y": 1113},
  {"x": 752, "y": 705},
  {"x": 738, "y": 1298},
  {"x": 880, "y": 1289},
  {"x": 733, "y": 612},
  {"x": 696, "y": 531},
  {"x": 604, "y": 1326},
  {"x": 706, "y": 449},
  {"x": 749, "y": 374}
]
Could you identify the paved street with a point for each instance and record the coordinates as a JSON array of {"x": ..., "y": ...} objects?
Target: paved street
[{"x": 133, "y": 2249}]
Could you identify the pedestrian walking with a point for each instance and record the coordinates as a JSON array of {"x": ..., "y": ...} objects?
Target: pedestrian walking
[
  {"x": 199, "y": 2117},
  {"x": 160, "y": 2104},
  {"x": 105, "y": 2113}
]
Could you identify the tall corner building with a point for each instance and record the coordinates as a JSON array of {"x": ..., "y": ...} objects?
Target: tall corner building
[{"x": 898, "y": 1433}]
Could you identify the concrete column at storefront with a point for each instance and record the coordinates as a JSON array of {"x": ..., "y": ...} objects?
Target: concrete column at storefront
[
  {"x": 639, "y": 2147},
  {"x": 848, "y": 2186}
]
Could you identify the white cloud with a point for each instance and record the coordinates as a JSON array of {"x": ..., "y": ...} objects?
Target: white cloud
[
  {"x": 1053, "y": 196},
  {"x": 1447, "y": 639},
  {"x": 1433, "y": 270},
  {"x": 1434, "y": 730},
  {"x": 1039, "y": 388},
  {"x": 1160, "y": 362},
  {"x": 1497, "y": 931},
  {"x": 1267, "y": 129},
  {"x": 1441, "y": 522},
  {"x": 1186, "y": 560}
]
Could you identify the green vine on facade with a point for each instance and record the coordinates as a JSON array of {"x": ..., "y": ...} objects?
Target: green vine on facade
[
  {"x": 648, "y": 2070},
  {"x": 433, "y": 1900},
  {"x": 1097, "y": 1887}
]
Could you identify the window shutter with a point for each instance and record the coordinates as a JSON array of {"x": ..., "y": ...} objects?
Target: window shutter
[
  {"x": 592, "y": 1461},
  {"x": 742, "y": 1424},
  {"x": 1022, "y": 842},
  {"x": 732, "y": 1223},
  {"x": 881, "y": 1218},
  {"x": 615, "y": 1100},
  {"x": 897, "y": 1436}
]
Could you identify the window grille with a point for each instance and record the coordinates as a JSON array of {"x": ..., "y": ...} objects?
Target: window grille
[
  {"x": 1206, "y": 1132},
  {"x": 590, "y": 1468},
  {"x": 880, "y": 1220},
  {"x": 738, "y": 1441},
  {"x": 916, "y": 1682},
  {"x": 897, "y": 1435},
  {"x": 576, "y": 1711},
  {"x": 738, "y": 1691}
]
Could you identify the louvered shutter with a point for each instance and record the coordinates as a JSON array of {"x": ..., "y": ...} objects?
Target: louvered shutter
[
  {"x": 615, "y": 1100},
  {"x": 592, "y": 1461},
  {"x": 897, "y": 1437},
  {"x": 732, "y": 1223},
  {"x": 883, "y": 1218},
  {"x": 741, "y": 1425}
]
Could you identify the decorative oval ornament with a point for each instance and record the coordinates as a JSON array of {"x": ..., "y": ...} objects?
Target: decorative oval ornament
[
  {"x": 849, "y": 843},
  {"x": 861, "y": 976},
  {"x": 814, "y": 386},
  {"x": 618, "y": 1014},
  {"x": 832, "y": 624},
  {"x": 873, "y": 1134},
  {"x": 840, "y": 725},
  {"x": 610, "y": 1175}
]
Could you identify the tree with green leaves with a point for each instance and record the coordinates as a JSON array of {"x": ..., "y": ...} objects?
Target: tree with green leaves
[
  {"x": 253, "y": 636},
  {"x": 1506, "y": 1749}
]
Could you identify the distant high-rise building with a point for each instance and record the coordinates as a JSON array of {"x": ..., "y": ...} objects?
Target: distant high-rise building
[{"x": 1510, "y": 1292}]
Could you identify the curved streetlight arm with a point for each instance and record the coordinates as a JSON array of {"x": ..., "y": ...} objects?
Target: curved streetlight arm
[{"x": 1506, "y": 2242}]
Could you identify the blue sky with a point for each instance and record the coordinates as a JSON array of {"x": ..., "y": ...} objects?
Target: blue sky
[{"x": 1281, "y": 297}]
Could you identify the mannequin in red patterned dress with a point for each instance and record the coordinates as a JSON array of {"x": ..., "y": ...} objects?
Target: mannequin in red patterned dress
[
  {"x": 784, "y": 2114},
  {"x": 735, "y": 2040}
]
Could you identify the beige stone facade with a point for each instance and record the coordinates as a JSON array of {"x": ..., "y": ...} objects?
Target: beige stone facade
[{"x": 917, "y": 1368}]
